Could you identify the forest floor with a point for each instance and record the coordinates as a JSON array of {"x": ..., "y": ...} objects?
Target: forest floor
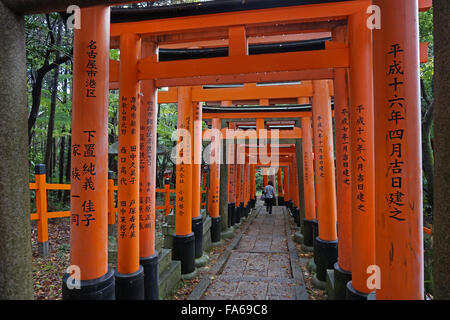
[{"x": 48, "y": 271}]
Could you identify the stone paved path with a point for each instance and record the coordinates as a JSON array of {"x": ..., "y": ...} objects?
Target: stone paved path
[{"x": 260, "y": 266}]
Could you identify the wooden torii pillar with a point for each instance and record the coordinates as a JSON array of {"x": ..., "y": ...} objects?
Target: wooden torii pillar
[
  {"x": 214, "y": 177},
  {"x": 310, "y": 223},
  {"x": 183, "y": 248},
  {"x": 398, "y": 217},
  {"x": 280, "y": 188},
  {"x": 130, "y": 274},
  {"x": 197, "y": 218},
  {"x": 147, "y": 180},
  {"x": 342, "y": 268},
  {"x": 362, "y": 156},
  {"x": 253, "y": 185},
  {"x": 325, "y": 247},
  {"x": 89, "y": 187}
]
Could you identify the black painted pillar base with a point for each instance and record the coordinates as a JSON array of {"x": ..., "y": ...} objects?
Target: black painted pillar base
[
  {"x": 290, "y": 205},
  {"x": 102, "y": 288},
  {"x": 216, "y": 228},
  {"x": 253, "y": 202},
  {"x": 232, "y": 213},
  {"x": 241, "y": 210},
  {"x": 229, "y": 215},
  {"x": 151, "y": 287},
  {"x": 183, "y": 250},
  {"x": 315, "y": 225},
  {"x": 280, "y": 200},
  {"x": 308, "y": 232},
  {"x": 296, "y": 214},
  {"x": 341, "y": 278},
  {"x": 325, "y": 254},
  {"x": 130, "y": 286},
  {"x": 353, "y": 294},
  {"x": 247, "y": 209},
  {"x": 237, "y": 214},
  {"x": 197, "y": 229}
]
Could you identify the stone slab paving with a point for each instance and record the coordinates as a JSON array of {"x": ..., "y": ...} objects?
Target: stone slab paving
[{"x": 259, "y": 267}]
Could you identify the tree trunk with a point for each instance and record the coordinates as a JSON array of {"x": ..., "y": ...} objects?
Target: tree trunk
[
  {"x": 62, "y": 146},
  {"x": 15, "y": 229},
  {"x": 427, "y": 159},
  {"x": 51, "y": 124},
  {"x": 441, "y": 226}
]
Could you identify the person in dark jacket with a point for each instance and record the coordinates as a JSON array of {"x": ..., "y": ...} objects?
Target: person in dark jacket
[{"x": 269, "y": 196}]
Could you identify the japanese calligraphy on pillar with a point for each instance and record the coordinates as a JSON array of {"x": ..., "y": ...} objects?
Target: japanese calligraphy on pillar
[
  {"x": 128, "y": 167},
  {"x": 84, "y": 175},
  {"x": 145, "y": 163},
  {"x": 320, "y": 144},
  {"x": 396, "y": 128},
  {"x": 183, "y": 153},
  {"x": 345, "y": 142},
  {"x": 91, "y": 70},
  {"x": 360, "y": 150}
]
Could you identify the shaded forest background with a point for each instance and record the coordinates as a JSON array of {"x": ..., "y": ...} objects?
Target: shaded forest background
[{"x": 49, "y": 72}]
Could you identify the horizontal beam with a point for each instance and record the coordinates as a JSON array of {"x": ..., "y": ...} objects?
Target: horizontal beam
[
  {"x": 261, "y": 77},
  {"x": 196, "y": 38},
  {"x": 240, "y": 94},
  {"x": 317, "y": 12},
  {"x": 46, "y": 6},
  {"x": 257, "y": 115},
  {"x": 295, "y": 133},
  {"x": 317, "y": 74},
  {"x": 291, "y": 61}
]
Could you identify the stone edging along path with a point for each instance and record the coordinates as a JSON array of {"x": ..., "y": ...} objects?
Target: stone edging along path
[{"x": 263, "y": 279}]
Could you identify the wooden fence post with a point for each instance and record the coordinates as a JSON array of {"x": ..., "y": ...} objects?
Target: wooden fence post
[{"x": 41, "y": 209}]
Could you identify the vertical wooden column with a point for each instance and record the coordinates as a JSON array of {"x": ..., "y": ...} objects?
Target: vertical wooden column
[
  {"x": 286, "y": 186},
  {"x": 252, "y": 186},
  {"x": 296, "y": 197},
  {"x": 89, "y": 161},
  {"x": 147, "y": 179},
  {"x": 280, "y": 187},
  {"x": 362, "y": 156},
  {"x": 238, "y": 192},
  {"x": 214, "y": 176},
  {"x": 265, "y": 176},
  {"x": 398, "y": 196},
  {"x": 343, "y": 268},
  {"x": 291, "y": 185},
  {"x": 325, "y": 249},
  {"x": 183, "y": 248},
  {"x": 231, "y": 161},
  {"x": 196, "y": 145},
  {"x": 130, "y": 275},
  {"x": 247, "y": 189},
  {"x": 308, "y": 182}
]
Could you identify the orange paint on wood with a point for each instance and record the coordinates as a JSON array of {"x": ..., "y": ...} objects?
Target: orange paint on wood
[
  {"x": 362, "y": 151},
  {"x": 399, "y": 198},
  {"x": 128, "y": 156},
  {"x": 214, "y": 173},
  {"x": 89, "y": 183},
  {"x": 308, "y": 170},
  {"x": 324, "y": 162},
  {"x": 147, "y": 165},
  {"x": 185, "y": 126}
]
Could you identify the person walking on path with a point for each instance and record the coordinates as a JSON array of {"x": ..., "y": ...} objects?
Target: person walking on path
[{"x": 269, "y": 196}]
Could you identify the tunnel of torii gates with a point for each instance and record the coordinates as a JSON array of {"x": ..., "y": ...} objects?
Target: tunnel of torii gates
[{"x": 375, "y": 184}]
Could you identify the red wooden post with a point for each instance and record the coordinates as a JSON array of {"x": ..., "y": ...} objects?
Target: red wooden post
[{"x": 41, "y": 209}]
